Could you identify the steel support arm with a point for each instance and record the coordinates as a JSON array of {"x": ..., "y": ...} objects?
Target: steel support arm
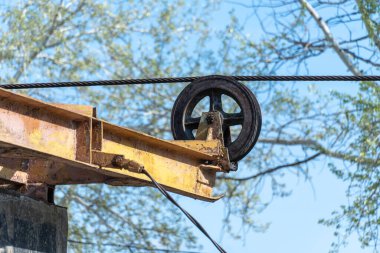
[{"x": 57, "y": 144}]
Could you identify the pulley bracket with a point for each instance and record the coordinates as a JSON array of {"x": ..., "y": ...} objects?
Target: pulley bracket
[{"x": 210, "y": 128}]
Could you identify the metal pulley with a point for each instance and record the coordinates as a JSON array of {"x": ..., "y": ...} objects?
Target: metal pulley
[{"x": 239, "y": 107}]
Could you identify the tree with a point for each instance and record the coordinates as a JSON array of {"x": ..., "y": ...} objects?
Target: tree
[
  {"x": 69, "y": 40},
  {"x": 74, "y": 40},
  {"x": 351, "y": 132}
]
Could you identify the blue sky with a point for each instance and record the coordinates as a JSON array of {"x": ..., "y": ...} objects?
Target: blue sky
[
  {"x": 294, "y": 224},
  {"x": 293, "y": 220}
]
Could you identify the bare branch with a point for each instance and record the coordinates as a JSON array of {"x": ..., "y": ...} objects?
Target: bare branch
[
  {"x": 274, "y": 169},
  {"x": 330, "y": 38},
  {"x": 312, "y": 144},
  {"x": 356, "y": 56}
]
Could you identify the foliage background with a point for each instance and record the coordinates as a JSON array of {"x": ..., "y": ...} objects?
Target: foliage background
[{"x": 305, "y": 127}]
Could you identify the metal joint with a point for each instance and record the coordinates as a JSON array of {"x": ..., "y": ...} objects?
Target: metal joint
[{"x": 121, "y": 162}]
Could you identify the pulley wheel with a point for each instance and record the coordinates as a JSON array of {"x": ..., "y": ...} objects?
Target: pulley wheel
[{"x": 248, "y": 115}]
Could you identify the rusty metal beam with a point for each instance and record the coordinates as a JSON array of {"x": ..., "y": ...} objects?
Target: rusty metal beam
[{"x": 57, "y": 144}]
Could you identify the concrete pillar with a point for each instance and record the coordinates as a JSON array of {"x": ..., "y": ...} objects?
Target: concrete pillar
[{"x": 28, "y": 225}]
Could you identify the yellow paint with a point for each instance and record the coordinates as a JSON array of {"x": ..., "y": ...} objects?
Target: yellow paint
[
  {"x": 211, "y": 147},
  {"x": 82, "y": 109},
  {"x": 53, "y": 142},
  {"x": 173, "y": 170},
  {"x": 35, "y": 137},
  {"x": 50, "y": 133}
]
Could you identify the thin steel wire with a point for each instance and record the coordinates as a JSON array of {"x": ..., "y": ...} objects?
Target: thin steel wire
[{"x": 184, "y": 80}]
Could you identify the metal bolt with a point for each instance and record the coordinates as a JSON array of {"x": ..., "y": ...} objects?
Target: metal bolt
[
  {"x": 210, "y": 119},
  {"x": 25, "y": 165}
]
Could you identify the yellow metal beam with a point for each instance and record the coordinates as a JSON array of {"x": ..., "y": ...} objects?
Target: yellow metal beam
[{"x": 57, "y": 142}]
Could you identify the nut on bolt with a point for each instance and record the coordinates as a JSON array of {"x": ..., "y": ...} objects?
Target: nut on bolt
[{"x": 210, "y": 119}]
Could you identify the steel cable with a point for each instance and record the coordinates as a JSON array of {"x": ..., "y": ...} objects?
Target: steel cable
[
  {"x": 184, "y": 79},
  {"x": 189, "y": 216}
]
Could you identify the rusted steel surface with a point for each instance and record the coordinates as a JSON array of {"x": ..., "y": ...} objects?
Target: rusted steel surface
[
  {"x": 52, "y": 144},
  {"x": 210, "y": 147},
  {"x": 115, "y": 161},
  {"x": 87, "y": 110}
]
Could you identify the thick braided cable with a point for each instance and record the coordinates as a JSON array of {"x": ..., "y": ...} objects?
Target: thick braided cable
[
  {"x": 98, "y": 83},
  {"x": 185, "y": 79},
  {"x": 307, "y": 78}
]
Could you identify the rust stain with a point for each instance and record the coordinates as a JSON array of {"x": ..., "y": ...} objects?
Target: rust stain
[{"x": 60, "y": 142}]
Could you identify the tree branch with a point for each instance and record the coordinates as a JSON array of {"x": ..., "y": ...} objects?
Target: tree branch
[
  {"x": 368, "y": 61},
  {"x": 368, "y": 24},
  {"x": 274, "y": 169},
  {"x": 330, "y": 38},
  {"x": 312, "y": 144},
  {"x": 55, "y": 24}
]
